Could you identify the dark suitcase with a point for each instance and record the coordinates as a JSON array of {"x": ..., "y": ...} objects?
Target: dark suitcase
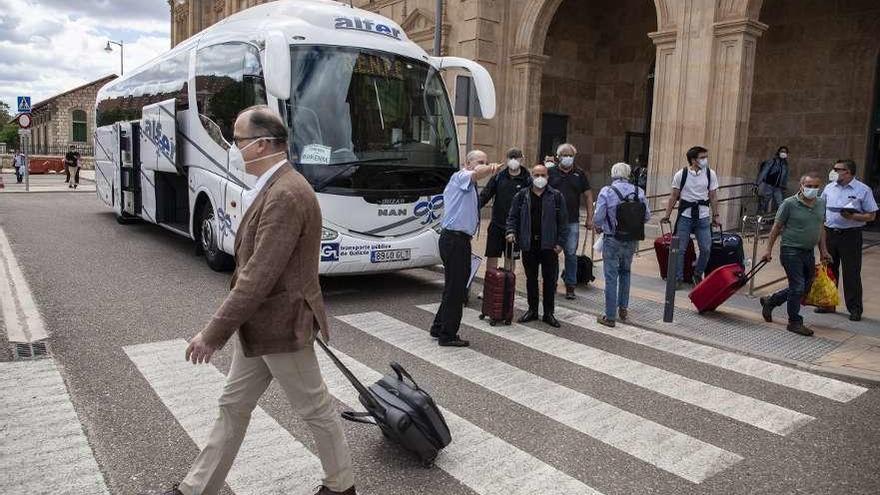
[
  {"x": 499, "y": 289},
  {"x": 661, "y": 248},
  {"x": 404, "y": 412},
  {"x": 727, "y": 249},
  {"x": 718, "y": 286},
  {"x": 584, "y": 266}
]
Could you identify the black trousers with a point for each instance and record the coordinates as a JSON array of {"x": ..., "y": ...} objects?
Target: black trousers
[
  {"x": 455, "y": 251},
  {"x": 845, "y": 248},
  {"x": 548, "y": 262}
]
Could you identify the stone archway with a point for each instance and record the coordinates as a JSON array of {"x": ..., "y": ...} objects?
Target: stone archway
[{"x": 527, "y": 59}]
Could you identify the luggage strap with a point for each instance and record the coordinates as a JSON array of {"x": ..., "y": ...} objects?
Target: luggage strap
[
  {"x": 359, "y": 417},
  {"x": 362, "y": 390}
]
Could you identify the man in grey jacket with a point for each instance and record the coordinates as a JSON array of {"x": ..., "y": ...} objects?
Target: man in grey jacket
[{"x": 538, "y": 221}]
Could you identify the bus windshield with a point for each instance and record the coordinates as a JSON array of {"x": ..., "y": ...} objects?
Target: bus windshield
[{"x": 368, "y": 121}]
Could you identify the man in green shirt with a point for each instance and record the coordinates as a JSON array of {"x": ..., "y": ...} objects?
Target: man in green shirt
[{"x": 799, "y": 219}]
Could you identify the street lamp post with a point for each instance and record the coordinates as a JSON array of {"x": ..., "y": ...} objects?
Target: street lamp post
[{"x": 109, "y": 49}]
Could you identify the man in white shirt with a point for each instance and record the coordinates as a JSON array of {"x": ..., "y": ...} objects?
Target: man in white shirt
[{"x": 695, "y": 188}]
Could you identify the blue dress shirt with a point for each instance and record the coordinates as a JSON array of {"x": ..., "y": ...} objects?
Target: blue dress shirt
[
  {"x": 855, "y": 195},
  {"x": 460, "y": 204}
]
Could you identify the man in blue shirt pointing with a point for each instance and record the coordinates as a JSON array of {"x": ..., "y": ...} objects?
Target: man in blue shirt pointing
[
  {"x": 849, "y": 206},
  {"x": 461, "y": 221}
]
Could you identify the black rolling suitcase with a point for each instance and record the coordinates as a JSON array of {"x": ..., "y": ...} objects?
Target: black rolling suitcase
[
  {"x": 584, "y": 265},
  {"x": 727, "y": 249},
  {"x": 404, "y": 412}
]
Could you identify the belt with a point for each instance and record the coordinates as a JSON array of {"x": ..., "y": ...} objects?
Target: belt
[
  {"x": 844, "y": 231},
  {"x": 457, "y": 233}
]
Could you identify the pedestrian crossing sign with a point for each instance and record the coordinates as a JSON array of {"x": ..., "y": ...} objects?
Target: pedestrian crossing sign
[{"x": 24, "y": 104}]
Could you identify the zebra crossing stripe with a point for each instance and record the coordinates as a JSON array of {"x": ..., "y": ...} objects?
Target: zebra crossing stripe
[
  {"x": 270, "y": 459},
  {"x": 480, "y": 460},
  {"x": 42, "y": 447},
  {"x": 754, "y": 412},
  {"x": 785, "y": 376},
  {"x": 658, "y": 445}
]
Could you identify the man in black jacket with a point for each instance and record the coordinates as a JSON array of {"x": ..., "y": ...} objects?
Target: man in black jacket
[
  {"x": 538, "y": 220},
  {"x": 502, "y": 187}
]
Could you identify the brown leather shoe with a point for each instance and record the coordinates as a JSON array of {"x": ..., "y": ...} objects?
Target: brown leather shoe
[{"x": 326, "y": 491}]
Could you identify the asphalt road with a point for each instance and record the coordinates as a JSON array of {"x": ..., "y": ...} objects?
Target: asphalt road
[{"x": 104, "y": 289}]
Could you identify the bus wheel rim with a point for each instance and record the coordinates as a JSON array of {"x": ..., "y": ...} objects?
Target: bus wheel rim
[{"x": 208, "y": 234}]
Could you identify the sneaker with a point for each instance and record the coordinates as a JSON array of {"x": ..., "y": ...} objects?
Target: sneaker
[
  {"x": 800, "y": 329},
  {"x": 602, "y": 320},
  {"x": 569, "y": 293},
  {"x": 622, "y": 314},
  {"x": 456, "y": 342},
  {"x": 766, "y": 310},
  {"x": 855, "y": 317}
]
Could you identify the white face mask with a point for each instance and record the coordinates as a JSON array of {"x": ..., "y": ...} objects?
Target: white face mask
[
  {"x": 567, "y": 161},
  {"x": 238, "y": 165},
  {"x": 833, "y": 176},
  {"x": 513, "y": 164},
  {"x": 811, "y": 192},
  {"x": 549, "y": 164},
  {"x": 704, "y": 163},
  {"x": 783, "y": 155},
  {"x": 540, "y": 182}
]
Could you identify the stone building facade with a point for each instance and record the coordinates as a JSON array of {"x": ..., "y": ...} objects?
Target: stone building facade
[
  {"x": 644, "y": 80},
  {"x": 66, "y": 119}
]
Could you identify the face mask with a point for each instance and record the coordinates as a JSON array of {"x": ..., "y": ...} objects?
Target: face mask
[
  {"x": 704, "y": 163},
  {"x": 567, "y": 161},
  {"x": 783, "y": 155},
  {"x": 513, "y": 164},
  {"x": 237, "y": 163},
  {"x": 811, "y": 192},
  {"x": 540, "y": 182},
  {"x": 549, "y": 164},
  {"x": 833, "y": 176}
]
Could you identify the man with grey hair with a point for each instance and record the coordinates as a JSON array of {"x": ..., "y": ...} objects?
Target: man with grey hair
[
  {"x": 799, "y": 219},
  {"x": 275, "y": 306},
  {"x": 574, "y": 186},
  {"x": 621, "y": 213},
  {"x": 461, "y": 221}
]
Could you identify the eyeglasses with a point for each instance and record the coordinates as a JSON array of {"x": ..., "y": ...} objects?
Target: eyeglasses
[
  {"x": 238, "y": 139},
  {"x": 840, "y": 169}
]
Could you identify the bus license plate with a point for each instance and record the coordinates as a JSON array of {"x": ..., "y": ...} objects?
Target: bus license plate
[{"x": 389, "y": 255}]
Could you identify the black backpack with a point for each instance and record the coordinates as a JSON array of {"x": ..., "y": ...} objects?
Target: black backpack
[{"x": 630, "y": 217}]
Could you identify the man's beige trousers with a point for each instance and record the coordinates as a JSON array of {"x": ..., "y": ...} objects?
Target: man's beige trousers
[{"x": 299, "y": 375}]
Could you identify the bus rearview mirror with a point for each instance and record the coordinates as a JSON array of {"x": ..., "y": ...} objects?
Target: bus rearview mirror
[
  {"x": 276, "y": 65},
  {"x": 482, "y": 81}
]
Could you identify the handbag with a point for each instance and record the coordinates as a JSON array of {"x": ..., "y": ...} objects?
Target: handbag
[{"x": 823, "y": 293}]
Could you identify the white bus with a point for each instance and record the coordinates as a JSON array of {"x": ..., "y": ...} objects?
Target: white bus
[{"x": 371, "y": 128}]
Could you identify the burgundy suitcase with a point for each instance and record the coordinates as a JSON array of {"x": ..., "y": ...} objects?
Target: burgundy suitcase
[
  {"x": 661, "y": 247},
  {"x": 719, "y": 285},
  {"x": 499, "y": 288}
]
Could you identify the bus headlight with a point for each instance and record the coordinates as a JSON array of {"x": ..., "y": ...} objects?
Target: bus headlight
[{"x": 328, "y": 234}]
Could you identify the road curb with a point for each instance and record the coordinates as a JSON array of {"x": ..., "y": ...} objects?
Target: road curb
[{"x": 835, "y": 372}]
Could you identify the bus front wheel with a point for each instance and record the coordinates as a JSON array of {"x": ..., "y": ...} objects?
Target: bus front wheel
[{"x": 208, "y": 243}]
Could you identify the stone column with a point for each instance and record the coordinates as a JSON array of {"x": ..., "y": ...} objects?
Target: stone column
[
  {"x": 522, "y": 125},
  {"x": 729, "y": 109},
  {"x": 664, "y": 113}
]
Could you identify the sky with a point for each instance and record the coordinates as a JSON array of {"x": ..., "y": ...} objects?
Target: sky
[{"x": 50, "y": 46}]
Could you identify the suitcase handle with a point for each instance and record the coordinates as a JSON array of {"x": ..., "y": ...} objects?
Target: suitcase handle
[
  {"x": 402, "y": 373},
  {"x": 754, "y": 271},
  {"x": 362, "y": 390},
  {"x": 663, "y": 231}
]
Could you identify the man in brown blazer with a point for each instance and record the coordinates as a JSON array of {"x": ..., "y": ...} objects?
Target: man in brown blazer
[{"x": 275, "y": 304}]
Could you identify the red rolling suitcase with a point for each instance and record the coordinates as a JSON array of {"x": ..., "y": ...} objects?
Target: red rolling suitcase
[
  {"x": 661, "y": 247},
  {"x": 499, "y": 288},
  {"x": 719, "y": 285}
]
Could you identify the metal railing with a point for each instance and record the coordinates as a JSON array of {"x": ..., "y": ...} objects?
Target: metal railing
[{"x": 60, "y": 150}]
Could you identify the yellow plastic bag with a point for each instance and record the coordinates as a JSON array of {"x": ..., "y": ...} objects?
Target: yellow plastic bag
[{"x": 823, "y": 293}]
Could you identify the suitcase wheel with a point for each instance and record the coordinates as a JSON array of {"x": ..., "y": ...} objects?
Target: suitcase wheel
[
  {"x": 492, "y": 323},
  {"x": 507, "y": 322},
  {"x": 482, "y": 316}
]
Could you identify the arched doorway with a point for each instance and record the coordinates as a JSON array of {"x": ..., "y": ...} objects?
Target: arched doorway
[{"x": 596, "y": 78}]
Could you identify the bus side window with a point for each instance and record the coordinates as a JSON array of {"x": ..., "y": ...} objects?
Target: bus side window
[{"x": 229, "y": 78}]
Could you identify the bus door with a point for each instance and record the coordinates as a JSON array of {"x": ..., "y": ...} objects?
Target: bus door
[{"x": 129, "y": 169}]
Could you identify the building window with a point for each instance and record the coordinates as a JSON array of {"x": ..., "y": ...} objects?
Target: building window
[{"x": 80, "y": 127}]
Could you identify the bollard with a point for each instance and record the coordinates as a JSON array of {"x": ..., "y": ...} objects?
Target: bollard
[{"x": 671, "y": 269}]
